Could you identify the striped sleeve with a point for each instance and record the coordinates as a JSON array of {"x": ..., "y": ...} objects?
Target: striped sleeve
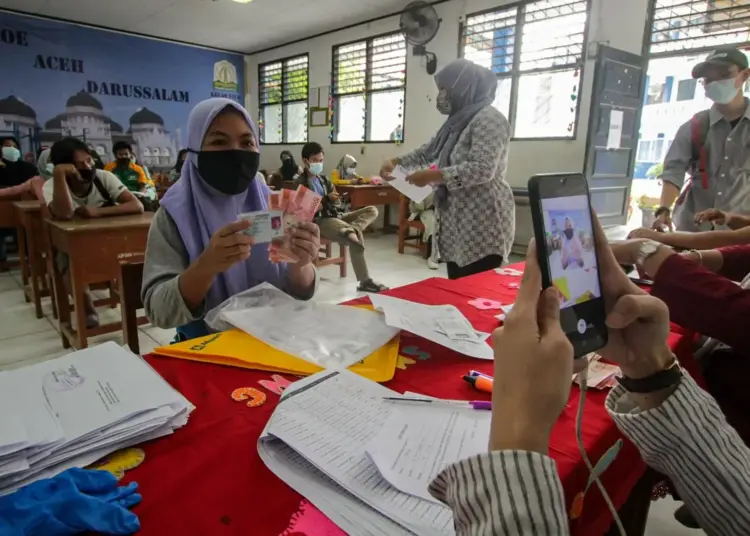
[
  {"x": 508, "y": 492},
  {"x": 688, "y": 439}
]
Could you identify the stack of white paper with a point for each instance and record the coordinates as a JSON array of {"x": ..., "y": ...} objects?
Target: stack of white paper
[
  {"x": 430, "y": 322},
  {"x": 71, "y": 411},
  {"x": 317, "y": 442}
]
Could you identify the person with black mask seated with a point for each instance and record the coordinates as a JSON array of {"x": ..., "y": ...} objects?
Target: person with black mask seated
[
  {"x": 79, "y": 189},
  {"x": 197, "y": 255},
  {"x": 288, "y": 171},
  {"x": 14, "y": 170}
]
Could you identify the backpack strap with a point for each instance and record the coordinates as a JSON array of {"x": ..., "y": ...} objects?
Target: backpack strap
[
  {"x": 109, "y": 202},
  {"x": 699, "y": 125}
]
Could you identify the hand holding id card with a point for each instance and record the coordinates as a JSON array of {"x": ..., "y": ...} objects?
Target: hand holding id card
[{"x": 287, "y": 209}]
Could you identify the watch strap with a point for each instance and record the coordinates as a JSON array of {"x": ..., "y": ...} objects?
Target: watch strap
[{"x": 656, "y": 382}]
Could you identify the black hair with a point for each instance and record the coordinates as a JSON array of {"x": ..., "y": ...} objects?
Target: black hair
[
  {"x": 661, "y": 210},
  {"x": 12, "y": 138},
  {"x": 120, "y": 145},
  {"x": 62, "y": 151},
  {"x": 311, "y": 148},
  {"x": 179, "y": 155}
]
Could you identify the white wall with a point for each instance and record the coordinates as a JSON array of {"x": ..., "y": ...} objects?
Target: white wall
[{"x": 617, "y": 23}]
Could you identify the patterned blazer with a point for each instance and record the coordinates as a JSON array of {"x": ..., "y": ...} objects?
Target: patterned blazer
[{"x": 477, "y": 217}]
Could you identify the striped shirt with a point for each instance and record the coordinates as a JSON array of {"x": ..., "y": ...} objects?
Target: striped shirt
[{"x": 687, "y": 438}]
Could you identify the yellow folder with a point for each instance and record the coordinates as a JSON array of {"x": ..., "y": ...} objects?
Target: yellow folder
[{"x": 239, "y": 349}]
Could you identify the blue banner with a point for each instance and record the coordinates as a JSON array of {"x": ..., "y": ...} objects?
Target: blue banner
[{"x": 62, "y": 80}]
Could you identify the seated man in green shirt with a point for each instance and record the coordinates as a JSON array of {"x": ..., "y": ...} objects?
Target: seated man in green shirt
[{"x": 130, "y": 174}]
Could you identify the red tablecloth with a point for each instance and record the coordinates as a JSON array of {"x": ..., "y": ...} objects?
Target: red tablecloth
[{"x": 207, "y": 478}]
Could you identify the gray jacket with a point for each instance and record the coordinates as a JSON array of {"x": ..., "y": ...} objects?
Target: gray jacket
[{"x": 477, "y": 217}]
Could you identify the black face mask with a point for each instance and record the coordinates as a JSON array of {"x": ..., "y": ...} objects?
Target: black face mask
[
  {"x": 568, "y": 233},
  {"x": 230, "y": 172},
  {"x": 87, "y": 174},
  {"x": 123, "y": 162}
]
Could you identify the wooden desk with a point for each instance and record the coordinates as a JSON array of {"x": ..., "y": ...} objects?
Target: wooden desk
[
  {"x": 33, "y": 240},
  {"x": 96, "y": 247},
  {"x": 364, "y": 195},
  {"x": 8, "y": 220}
]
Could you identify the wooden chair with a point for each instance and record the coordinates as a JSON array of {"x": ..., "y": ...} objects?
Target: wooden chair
[
  {"x": 405, "y": 226},
  {"x": 131, "y": 277},
  {"x": 326, "y": 258}
]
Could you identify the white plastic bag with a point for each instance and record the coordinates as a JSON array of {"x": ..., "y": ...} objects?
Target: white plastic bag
[{"x": 331, "y": 336}]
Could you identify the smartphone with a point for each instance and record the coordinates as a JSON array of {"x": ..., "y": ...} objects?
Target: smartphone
[{"x": 566, "y": 248}]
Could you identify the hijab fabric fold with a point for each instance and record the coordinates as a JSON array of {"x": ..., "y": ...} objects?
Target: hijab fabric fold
[{"x": 198, "y": 210}]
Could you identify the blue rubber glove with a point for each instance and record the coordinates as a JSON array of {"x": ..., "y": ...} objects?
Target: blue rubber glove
[{"x": 75, "y": 501}]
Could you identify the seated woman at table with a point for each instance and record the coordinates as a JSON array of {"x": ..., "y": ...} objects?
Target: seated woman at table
[
  {"x": 677, "y": 426},
  {"x": 13, "y": 170},
  {"x": 77, "y": 188},
  {"x": 346, "y": 172},
  {"x": 197, "y": 255}
]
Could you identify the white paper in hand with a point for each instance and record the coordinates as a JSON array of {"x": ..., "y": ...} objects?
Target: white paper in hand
[{"x": 415, "y": 193}]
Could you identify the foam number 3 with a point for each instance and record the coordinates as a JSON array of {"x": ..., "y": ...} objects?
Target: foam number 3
[{"x": 254, "y": 396}]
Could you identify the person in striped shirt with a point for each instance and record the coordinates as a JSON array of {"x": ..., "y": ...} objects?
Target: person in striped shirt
[{"x": 679, "y": 429}]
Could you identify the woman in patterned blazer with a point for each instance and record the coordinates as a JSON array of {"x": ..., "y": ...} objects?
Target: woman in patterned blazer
[{"x": 466, "y": 163}]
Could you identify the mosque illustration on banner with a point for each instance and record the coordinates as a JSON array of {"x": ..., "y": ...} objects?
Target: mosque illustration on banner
[{"x": 84, "y": 118}]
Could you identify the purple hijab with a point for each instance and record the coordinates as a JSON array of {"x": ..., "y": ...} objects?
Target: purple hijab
[{"x": 199, "y": 211}]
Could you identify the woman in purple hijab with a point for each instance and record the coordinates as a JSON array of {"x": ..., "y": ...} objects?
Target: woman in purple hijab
[{"x": 196, "y": 255}]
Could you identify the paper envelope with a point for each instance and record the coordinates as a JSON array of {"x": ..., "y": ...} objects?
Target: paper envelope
[{"x": 236, "y": 348}]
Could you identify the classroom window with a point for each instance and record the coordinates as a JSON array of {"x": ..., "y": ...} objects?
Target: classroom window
[
  {"x": 282, "y": 94},
  {"x": 369, "y": 82},
  {"x": 536, "y": 50},
  {"x": 681, "y": 26}
]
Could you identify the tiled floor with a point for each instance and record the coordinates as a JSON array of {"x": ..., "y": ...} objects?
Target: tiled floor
[{"x": 24, "y": 339}]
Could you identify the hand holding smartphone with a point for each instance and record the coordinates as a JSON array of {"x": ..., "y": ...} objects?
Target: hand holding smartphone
[{"x": 566, "y": 248}]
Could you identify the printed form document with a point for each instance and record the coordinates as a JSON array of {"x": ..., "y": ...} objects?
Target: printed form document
[
  {"x": 325, "y": 439},
  {"x": 329, "y": 419},
  {"x": 73, "y": 410}
]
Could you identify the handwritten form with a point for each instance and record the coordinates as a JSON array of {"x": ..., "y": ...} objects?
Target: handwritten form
[
  {"x": 329, "y": 419},
  {"x": 418, "y": 441},
  {"x": 425, "y": 321}
]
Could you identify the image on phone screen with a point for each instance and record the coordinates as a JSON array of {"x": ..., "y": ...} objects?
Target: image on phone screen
[{"x": 570, "y": 247}]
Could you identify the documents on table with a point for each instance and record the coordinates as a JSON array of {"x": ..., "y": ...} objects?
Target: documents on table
[
  {"x": 415, "y": 193},
  {"x": 79, "y": 408},
  {"x": 419, "y": 441},
  {"x": 438, "y": 323},
  {"x": 328, "y": 335},
  {"x": 328, "y": 420}
]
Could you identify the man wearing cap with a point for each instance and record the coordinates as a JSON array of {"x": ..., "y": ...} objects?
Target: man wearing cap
[{"x": 713, "y": 146}]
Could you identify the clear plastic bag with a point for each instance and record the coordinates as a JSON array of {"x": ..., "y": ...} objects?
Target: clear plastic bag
[{"x": 331, "y": 336}]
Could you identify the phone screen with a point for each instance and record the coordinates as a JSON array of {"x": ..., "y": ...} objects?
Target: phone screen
[{"x": 573, "y": 269}]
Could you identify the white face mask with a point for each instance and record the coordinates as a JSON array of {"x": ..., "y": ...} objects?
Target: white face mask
[
  {"x": 351, "y": 171},
  {"x": 722, "y": 91}
]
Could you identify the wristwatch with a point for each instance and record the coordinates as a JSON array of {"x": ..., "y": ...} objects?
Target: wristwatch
[
  {"x": 656, "y": 382},
  {"x": 646, "y": 250}
]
